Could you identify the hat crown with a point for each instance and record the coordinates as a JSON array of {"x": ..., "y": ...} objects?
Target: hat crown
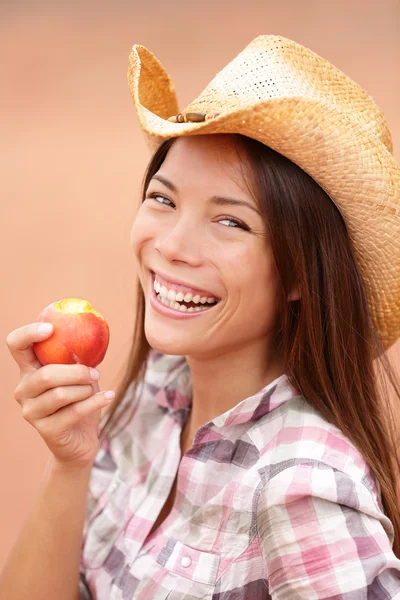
[{"x": 276, "y": 67}]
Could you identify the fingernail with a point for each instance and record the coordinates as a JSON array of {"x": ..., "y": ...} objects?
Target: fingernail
[
  {"x": 94, "y": 374},
  {"x": 109, "y": 395},
  {"x": 45, "y": 328}
]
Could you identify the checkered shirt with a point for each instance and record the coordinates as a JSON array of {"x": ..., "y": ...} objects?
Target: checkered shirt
[{"x": 272, "y": 502}]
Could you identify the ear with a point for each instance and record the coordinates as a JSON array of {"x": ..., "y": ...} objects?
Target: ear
[{"x": 294, "y": 294}]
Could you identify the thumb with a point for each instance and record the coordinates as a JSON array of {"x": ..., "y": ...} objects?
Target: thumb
[{"x": 21, "y": 342}]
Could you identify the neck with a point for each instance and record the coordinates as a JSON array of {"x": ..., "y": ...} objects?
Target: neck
[{"x": 221, "y": 382}]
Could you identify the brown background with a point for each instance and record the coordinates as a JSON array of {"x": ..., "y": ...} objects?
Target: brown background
[{"x": 72, "y": 155}]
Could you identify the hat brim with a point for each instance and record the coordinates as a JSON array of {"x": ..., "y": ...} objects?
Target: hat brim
[{"x": 337, "y": 150}]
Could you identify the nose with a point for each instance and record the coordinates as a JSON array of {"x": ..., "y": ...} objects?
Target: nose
[{"x": 182, "y": 242}]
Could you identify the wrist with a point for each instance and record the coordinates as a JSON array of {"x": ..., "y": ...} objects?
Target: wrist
[{"x": 62, "y": 467}]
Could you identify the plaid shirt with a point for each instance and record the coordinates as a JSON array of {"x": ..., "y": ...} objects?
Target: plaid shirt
[{"x": 273, "y": 502}]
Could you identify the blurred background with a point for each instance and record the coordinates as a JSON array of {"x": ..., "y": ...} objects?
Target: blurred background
[{"x": 72, "y": 155}]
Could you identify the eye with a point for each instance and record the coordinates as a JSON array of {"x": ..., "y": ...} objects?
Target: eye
[
  {"x": 160, "y": 199},
  {"x": 233, "y": 222}
]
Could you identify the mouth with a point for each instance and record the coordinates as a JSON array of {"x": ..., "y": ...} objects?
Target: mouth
[{"x": 179, "y": 300}]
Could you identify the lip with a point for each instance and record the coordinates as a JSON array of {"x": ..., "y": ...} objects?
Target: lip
[
  {"x": 182, "y": 286},
  {"x": 166, "y": 311}
]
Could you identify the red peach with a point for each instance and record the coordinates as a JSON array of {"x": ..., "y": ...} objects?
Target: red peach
[{"x": 80, "y": 334}]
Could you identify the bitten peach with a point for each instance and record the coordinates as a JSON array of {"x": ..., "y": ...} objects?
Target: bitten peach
[{"x": 80, "y": 334}]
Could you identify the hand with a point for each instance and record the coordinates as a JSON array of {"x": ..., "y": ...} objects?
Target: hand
[{"x": 62, "y": 402}]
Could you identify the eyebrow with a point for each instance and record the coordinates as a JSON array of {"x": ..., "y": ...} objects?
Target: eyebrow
[{"x": 218, "y": 200}]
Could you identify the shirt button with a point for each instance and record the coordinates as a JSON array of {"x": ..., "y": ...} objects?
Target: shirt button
[{"x": 186, "y": 561}]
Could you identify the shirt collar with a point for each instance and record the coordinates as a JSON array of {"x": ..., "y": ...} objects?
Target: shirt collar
[{"x": 175, "y": 394}]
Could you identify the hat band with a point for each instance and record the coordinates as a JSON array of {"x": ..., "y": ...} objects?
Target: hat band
[{"x": 192, "y": 117}]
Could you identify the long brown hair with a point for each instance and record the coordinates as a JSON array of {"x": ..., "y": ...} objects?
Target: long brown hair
[{"x": 326, "y": 338}]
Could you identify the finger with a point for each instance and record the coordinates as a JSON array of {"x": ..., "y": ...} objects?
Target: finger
[
  {"x": 53, "y": 376},
  {"x": 52, "y": 400},
  {"x": 66, "y": 418},
  {"x": 20, "y": 343}
]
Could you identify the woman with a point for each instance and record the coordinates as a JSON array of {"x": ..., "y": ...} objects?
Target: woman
[{"x": 248, "y": 454}]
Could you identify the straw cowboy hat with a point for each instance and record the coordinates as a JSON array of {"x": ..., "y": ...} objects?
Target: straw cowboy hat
[{"x": 297, "y": 103}]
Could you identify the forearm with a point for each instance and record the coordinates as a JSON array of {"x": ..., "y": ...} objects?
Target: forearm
[{"x": 44, "y": 562}]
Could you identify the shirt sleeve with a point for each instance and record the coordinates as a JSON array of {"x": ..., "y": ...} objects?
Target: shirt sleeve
[
  {"x": 101, "y": 474},
  {"x": 323, "y": 536}
]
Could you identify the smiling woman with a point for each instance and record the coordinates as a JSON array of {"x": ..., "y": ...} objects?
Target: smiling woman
[
  {"x": 248, "y": 454},
  {"x": 288, "y": 320}
]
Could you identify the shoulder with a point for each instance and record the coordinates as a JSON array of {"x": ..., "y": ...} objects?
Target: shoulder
[
  {"x": 319, "y": 518},
  {"x": 295, "y": 435},
  {"x": 306, "y": 462},
  {"x": 321, "y": 531}
]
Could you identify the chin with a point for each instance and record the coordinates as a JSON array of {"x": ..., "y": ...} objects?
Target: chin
[{"x": 167, "y": 344}]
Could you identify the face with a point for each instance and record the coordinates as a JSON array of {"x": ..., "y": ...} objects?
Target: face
[{"x": 203, "y": 256}]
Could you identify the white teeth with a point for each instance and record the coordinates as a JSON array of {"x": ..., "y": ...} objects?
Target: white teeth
[
  {"x": 177, "y": 306},
  {"x": 171, "y": 296}
]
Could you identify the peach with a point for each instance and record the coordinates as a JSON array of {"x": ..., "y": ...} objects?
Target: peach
[{"x": 80, "y": 334}]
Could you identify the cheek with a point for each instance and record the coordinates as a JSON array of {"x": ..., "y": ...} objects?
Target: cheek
[
  {"x": 141, "y": 232},
  {"x": 255, "y": 280}
]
